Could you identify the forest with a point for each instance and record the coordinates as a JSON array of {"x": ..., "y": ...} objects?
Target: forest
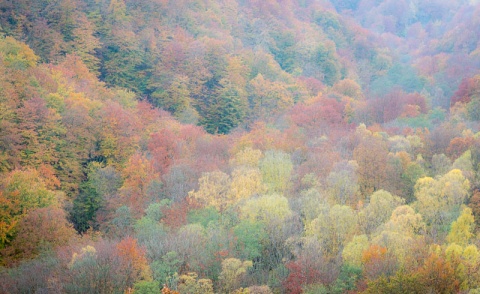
[{"x": 239, "y": 146}]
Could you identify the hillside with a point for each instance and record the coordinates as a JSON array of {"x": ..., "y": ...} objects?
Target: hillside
[{"x": 239, "y": 146}]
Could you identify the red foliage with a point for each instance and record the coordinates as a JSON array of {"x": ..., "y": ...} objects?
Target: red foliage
[
  {"x": 299, "y": 276},
  {"x": 396, "y": 103},
  {"x": 212, "y": 153},
  {"x": 162, "y": 146},
  {"x": 325, "y": 116},
  {"x": 458, "y": 146},
  {"x": 176, "y": 215},
  {"x": 465, "y": 90}
]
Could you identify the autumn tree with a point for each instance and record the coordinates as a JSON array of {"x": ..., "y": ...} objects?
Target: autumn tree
[
  {"x": 22, "y": 192},
  {"x": 334, "y": 227},
  {"x": 276, "y": 168},
  {"x": 41, "y": 229},
  {"x": 371, "y": 156},
  {"x": 191, "y": 284},
  {"x": 213, "y": 190},
  {"x": 462, "y": 229},
  {"x": 439, "y": 200},
  {"x": 232, "y": 272}
]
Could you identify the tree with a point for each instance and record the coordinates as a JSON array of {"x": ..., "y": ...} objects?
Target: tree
[
  {"x": 438, "y": 275},
  {"x": 342, "y": 183},
  {"x": 247, "y": 157},
  {"x": 267, "y": 98},
  {"x": 462, "y": 229},
  {"x": 333, "y": 228},
  {"x": 41, "y": 229},
  {"x": 379, "y": 210},
  {"x": 214, "y": 190},
  {"x": 401, "y": 282},
  {"x": 233, "y": 270},
  {"x": 377, "y": 262},
  {"x": 138, "y": 174},
  {"x": 17, "y": 55},
  {"x": 190, "y": 284},
  {"x": 250, "y": 239},
  {"x": 371, "y": 156},
  {"x": 134, "y": 262},
  {"x": 439, "y": 200},
  {"x": 353, "y": 250},
  {"x": 22, "y": 192},
  {"x": 245, "y": 182},
  {"x": 269, "y": 208},
  {"x": 276, "y": 168},
  {"x": 228, "y": 111}
]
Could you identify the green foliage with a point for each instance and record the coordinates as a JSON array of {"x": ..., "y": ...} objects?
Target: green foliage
[
  {"x": 204, "y": 216},
  {"x": 250, "y": 239},
  {"x": 146, "y": 287},
  {"x": 328, "y": 64},
  {"x": 347, "y": 279},
  {"x": 164, "y": 271}
]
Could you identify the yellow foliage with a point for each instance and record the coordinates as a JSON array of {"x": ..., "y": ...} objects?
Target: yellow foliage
[
  {"x": 352, "y": 253},
  {"x": 247, "y": 157},
  {"x": 232, "y": 270},
  {"x": 462, "y": 229},
  {"x": 245, "y": 183},
  {"x": 276, "y": 168},
  {"x": 334, "y": 227},
  {"x": 190, "y": 283},
  {"x": 267, "y": 208},
  {"x": 213, "y": 190},
  {"x": 17, "y": 54}
]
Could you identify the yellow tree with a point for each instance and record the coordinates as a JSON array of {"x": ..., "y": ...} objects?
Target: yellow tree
[
  {"x": 269, "y": 208},
  {"x": 214, "y": 190},
  {"x": 268, "y": 97},
  {"x": 233, "y": 270},
  {"x": 401, "y": 232},
  {"x": 352, "y": 253},
  {"x": 439, "y": 200},
  {"x": 333, "y": 228},
  {"x": 190, "y": 284},
  {"x": 245, "y": 183},
  {"x": 247, "y": 157},
  {"x": 276, "y": 168},
  {"x": 462, "y": 229}
]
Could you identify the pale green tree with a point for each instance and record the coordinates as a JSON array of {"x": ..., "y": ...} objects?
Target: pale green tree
[
  {"x": 276, "y": 168},
  {"x": 378, "y": 210},
  {"x": 334, "y": 227},
  {"x": 268, "y": 208}
]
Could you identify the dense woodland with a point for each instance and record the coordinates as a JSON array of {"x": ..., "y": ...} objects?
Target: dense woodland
[{"x": 239, "y": 146}]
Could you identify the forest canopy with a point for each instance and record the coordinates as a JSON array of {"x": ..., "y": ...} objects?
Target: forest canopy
[{"x": 249, "y": 146}]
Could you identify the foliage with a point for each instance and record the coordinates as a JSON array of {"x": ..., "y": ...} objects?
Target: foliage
[{"x": 239, "y": 146}]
